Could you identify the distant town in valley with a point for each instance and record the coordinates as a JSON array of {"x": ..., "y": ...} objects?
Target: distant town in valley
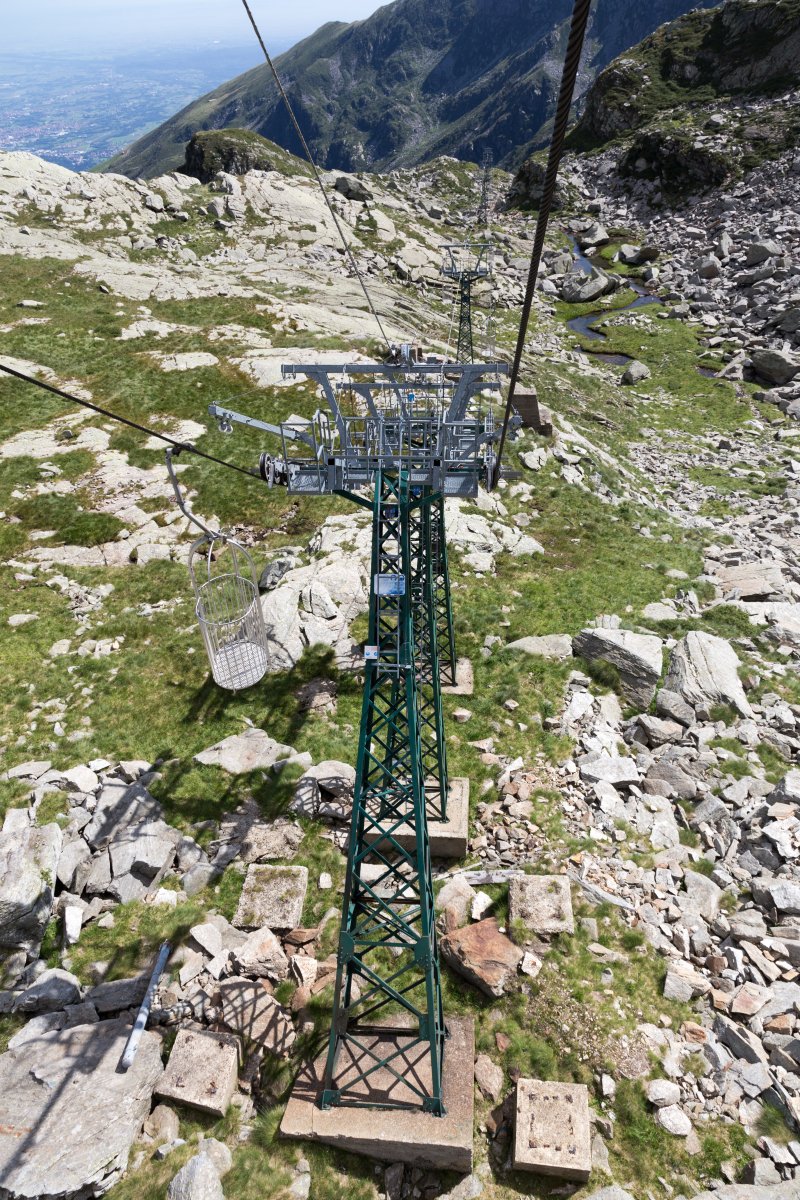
[{"x": 80, "y": 110}]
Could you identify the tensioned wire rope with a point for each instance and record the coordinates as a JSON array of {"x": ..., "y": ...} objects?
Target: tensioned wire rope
[
  {"x": 179, "y": 446},
  {"x": 572, "y": 58},
  {"x": 307, "y": 151}
]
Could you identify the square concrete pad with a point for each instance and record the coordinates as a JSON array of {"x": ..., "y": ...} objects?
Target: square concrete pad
[
  {"x": 551, "y": 1134},
  {"x": 394, "y": 1135},
  {"x": 202, "y": 1071},
  {"x": 448, "y": 838},
  {"x": 542, "y": 902},
  {"x": 465, "y": 680},
  {"x": 272, "y": 896}
]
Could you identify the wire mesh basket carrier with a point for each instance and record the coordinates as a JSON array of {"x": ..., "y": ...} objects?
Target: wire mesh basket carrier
[{"x": 227, "y": 604}]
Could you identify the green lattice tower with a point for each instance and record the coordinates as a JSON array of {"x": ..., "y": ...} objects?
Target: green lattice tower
[
  {"x": 387, "y": 942},
  {"x": 464, "y": 348}
]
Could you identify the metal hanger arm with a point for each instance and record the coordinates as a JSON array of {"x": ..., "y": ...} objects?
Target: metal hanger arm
[{"x": 210, "y": 533}]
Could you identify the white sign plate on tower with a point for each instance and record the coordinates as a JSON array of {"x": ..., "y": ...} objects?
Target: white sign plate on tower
[{"x": 389, "y": 585}]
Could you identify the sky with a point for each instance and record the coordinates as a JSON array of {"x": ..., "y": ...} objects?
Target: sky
[{"x": 118, "y": 25}]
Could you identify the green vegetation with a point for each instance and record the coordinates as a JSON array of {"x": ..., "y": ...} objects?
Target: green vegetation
[
  {"x": 772, "y": 1123},
  {"x": 70, "y": 523},
  {"x": 236, "y": 151},
  {"x": 130, "y": 945},
  {"x": 647, "y": 1151}
]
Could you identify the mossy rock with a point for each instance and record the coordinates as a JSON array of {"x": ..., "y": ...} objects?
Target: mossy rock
[
  {"x": 677, "y": 162},
  {"x": 235, "y": 151}
]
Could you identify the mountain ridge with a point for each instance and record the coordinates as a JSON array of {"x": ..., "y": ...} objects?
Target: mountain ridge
[{"x": 416, "y": 80}]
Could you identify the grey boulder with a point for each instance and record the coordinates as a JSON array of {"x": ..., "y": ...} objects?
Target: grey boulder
[
  {"x": 775, "y": 366},
  {"x": 635, "y": 372},
  {"x": 637, "y": 657},
  {"x": 704, "y": 671},
  {"x": 782, "y": 894},
  {"x": 68, "y": 1115},
  {"x": 580, "y": 289},
  {"x": 197, "y": 1180},
  {"x": 352, "y": 189},
  {"x": 788, "y": 790},
  {"x": 52, "y": 991},
  {"x": 549, "y": 645},
  {"x": 28, "y": 864},
  {"x": 120, "y": 805},
  {"x": 251, "y": 750}
]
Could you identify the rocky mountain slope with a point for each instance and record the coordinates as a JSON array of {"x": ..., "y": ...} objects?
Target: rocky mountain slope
[
  {"x": 629, "y": 604},
  {"x": 707, "y": 95},
  {"x": 415, "y": 80}
]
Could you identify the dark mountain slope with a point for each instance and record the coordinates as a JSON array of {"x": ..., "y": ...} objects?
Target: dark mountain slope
[{"x": 416, "y": 79}]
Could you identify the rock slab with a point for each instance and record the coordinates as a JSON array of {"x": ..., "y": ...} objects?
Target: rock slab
[
  {"x": 68, "y": 1115},
  {"x": 28, "y": 864},
  {"x": 483, "y": 955},
  {"x": 197, "y": 1180},
  {"x": 637, "y": 657},
  {"x": 202, "y": 1071},
  {"x": 704, "y": 670},
  {"x": 272, "y": 897},
  {"x": 250, "y": 1011},
  {"x": 252, "y": 750}
]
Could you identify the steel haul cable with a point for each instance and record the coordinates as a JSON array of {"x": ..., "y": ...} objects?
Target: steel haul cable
[
  {"x": 288, "y": 105},
  {"x": 580, "y": 16},
  {"x": 104, "y": 412}
]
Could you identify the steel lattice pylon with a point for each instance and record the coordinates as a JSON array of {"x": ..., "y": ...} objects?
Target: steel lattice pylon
[
  {"x": 486, "y": 189},
  {"x": 413, "y": 433},
  {"x": 466, "y": 262},
  {"x": 388, "y": 938}
]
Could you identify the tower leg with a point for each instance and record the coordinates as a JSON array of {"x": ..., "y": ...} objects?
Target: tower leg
[
  {"x": 464, "y": 350},
  {"x": 388, "y": 959},
  {"x": 426, "y": 652},
  {"x": 445, "y": 634}
]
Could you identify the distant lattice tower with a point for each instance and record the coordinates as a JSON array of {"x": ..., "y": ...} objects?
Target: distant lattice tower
[
  {"x": 466, "y": 262},
  {"x": 486, "y": 190}
]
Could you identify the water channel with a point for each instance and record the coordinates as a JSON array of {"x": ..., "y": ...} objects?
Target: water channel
[{"x": 585, "y": 325}]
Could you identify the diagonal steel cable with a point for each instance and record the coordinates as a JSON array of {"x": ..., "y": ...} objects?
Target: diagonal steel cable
[
  {"x": 340, "y": 230},
  {"x": 580, "y": 17},
  {"x": 105, "y": 412}
]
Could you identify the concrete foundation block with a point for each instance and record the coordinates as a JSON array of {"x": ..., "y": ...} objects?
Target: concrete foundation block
[
  {"x": 552, "y": 1129},
  {"x": 465, "y": 680},
  {"x": 202, "y": 1071},
  {"x": 394, "y": 1135},
  {"x": 272, "y": 897},
  {"x": 448, "y": 838}
]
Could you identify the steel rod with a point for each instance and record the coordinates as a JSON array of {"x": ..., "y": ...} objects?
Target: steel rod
[{"x": 132, "y": 1044}]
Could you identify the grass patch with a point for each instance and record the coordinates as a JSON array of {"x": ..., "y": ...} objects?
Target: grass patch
[
  {"x": 10, "y": 1024},
  {"x": 139, "y": 929},
  {"x": 71, "y": 524},
  {"x": 773, "y": 1124},
  {"x": 774, "y": 764}
]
